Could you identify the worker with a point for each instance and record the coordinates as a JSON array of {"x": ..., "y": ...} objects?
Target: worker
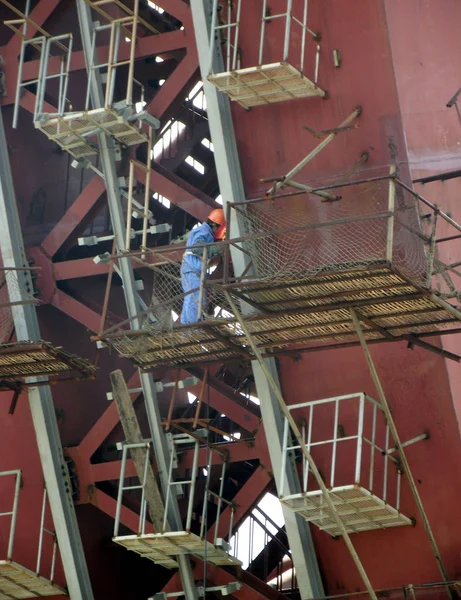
[{"x": 214, "y": 229}]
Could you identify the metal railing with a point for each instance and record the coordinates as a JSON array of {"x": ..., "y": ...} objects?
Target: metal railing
[
  {"x": 47, "y": 45},
  {"x": 178, "y": 485},
  {"x": 227, "y": 20},
  {"x": 13, "y": 515},
  {"x": 338, "y": 430}
]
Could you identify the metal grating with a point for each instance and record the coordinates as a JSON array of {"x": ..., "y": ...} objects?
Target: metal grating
[
  {"x": 265, "y": 84},
  {"x": 358, "y": 509},
  {"x": 71, "y": 130},
  {"x": 33, "y": 359},
  {"x": 18, "y": 582},
  {"x": 296, "y": 315},
  {"x": 161, "y": 548}
]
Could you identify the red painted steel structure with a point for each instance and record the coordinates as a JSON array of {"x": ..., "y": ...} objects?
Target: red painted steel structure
[{"x": 397, "y": 63}]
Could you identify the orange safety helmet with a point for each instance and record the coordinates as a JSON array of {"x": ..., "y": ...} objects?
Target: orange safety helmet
[{"x": 217, "y": 216}]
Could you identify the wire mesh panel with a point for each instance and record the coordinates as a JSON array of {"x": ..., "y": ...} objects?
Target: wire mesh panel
[
  {"x": 351, "y": 444},
  {"x": 269, "y": 52},
  {"x": 308, "y": 263},
  {"x": 296, "y": 237}
]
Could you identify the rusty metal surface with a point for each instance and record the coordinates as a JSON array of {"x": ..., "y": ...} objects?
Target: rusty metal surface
[{"x": 19, "y": 360}]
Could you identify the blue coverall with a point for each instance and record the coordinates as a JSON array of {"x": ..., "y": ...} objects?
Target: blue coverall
[{"x": 191, "y": 270}]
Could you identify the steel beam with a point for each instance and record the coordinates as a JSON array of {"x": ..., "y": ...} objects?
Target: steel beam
[
  {"x": 104, "y": 425},
  {"x": 180, "y": 192},
  {"x": 39, "y": 16},
  {"x": 183, "y": 77},
  {"x": 72, "y": 221},
  {"x": 76, "y": 310},
  {"x": 118, "y": 223},
  {"x": 232, "y": 189},
  {"x": 40, "y": 398},
  {"x": 179, "y": 9},
  {"x": 162, "y": 44},
  {"x": 128, "y": 517}
]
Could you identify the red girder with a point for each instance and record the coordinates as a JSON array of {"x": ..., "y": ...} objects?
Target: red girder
[
  {"x": 109, "y": 471},
  {"x": 80, "y": 267},
  {"x": 179, "y": 191},
  {"x": 178, "y": 83},
  {"x": 151, "y": 45},
  {"x": 105, "y": 424},
  {"x": 225, "y": 399},
  {"x": 127, "y": 516},
  {"x": 178, "y": 9},
  {"x": 39, "y": 15},
  {"x": 75, "y": 309},
  {"x": 74, "y": 219}
]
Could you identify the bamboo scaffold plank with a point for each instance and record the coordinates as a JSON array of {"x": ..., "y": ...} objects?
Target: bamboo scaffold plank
[
  {"x": 307, "y": 269},
  {"x": 304, "y": 315}
]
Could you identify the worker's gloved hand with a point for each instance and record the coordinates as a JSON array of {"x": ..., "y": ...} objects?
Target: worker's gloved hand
[{"x": 216, "y": 250}]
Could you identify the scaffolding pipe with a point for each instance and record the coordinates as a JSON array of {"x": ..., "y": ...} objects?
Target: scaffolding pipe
[
  {"x": 355, "y": 113},
  {"x": 14, "y": 516},
  {"x": 395, "y": 435},
  {"x": 296, "y": 431}
]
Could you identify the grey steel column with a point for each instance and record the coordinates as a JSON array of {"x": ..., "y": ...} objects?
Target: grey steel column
[
  {"x": 107, "y": 153},
  {"x": 40, "y": 398},
  {"x": 232, "y": 190}
]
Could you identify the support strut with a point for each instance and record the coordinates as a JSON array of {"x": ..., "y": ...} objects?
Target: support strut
[
  {"x": 299, "y": 438},
  {"x": 399, "y": 445}
]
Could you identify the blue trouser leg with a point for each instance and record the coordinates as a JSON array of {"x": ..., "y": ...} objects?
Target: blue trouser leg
[{"x": 190, "y": 280}]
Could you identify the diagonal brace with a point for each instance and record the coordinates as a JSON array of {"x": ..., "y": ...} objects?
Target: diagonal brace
[
  {"x": 402, "y": 456},
  {"x": 299, "y": 438}
]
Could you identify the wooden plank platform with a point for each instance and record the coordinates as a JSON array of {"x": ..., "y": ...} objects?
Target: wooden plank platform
[
  {"x": 73, "y": 130},
  {"x": 19, "y": 360},
  {"x": 18, "y": 582},
  {"x": 162, "y": 548},
  {"x": 265, "y": 84},
  {"x": 297, "y": 315},
  {"x": 358, "y": 509}
]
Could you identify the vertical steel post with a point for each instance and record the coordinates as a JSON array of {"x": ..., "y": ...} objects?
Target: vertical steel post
[
  {"x": 220, "y": 499},
  {"x": 391, "y": 221},
  {"x": 335, "y": 443},
  {"x": 286, "y": 45},
  {"x": 134, "y": 32},
  {"x": 14, "y": 515},
  {"x": 42, "y": 531},
  {"x": 262, "y": 34},
  {"x": 237, "y": 35},
  {"x": 132, "y": 303},
  {"x": 303, "y": 37},
  {"x": 17, "y": 96},
  {"x": 358, "y": 458},
  {"x": 193, "y": 481},
  {"x": 40, "y": 398},
  {"x": 231, "y": 185},
  {"x": 120, "y": 491}
]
